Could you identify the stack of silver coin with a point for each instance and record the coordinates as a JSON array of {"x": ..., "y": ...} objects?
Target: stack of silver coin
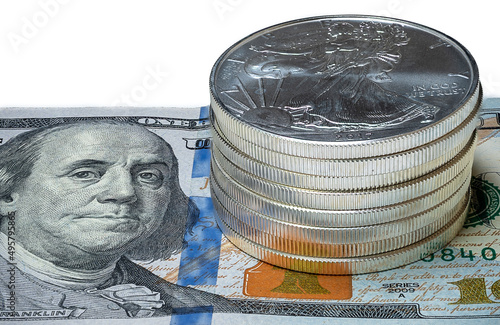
[{"x": 343, "y": 144}]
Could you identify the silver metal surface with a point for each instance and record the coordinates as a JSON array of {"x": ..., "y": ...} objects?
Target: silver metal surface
[
  {"x": 343, "y": 144},
  {"x": 353, "y": 265},
  {"x": 334, "y": 242},
  {"x": 221, "y": 187},
  {"x": 352, "y": 174},
  {"x": 345, "y": 200},
  {"x": 343, "y": 87}
]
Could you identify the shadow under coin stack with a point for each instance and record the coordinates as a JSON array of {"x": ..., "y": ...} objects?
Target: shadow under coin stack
[{"x": 343, "y": 144}]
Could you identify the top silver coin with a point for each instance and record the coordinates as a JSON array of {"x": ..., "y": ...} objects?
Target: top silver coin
[{"x": 344, "y": 79}]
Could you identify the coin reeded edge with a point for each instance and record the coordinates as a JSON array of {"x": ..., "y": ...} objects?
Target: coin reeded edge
[
  {"x": 338, "y": 242},
  {"x": 351, "y": 199},
  {"x": 332, "y": 233},
  {"x": 341, "y": 218},
  {"x": 356, "y": 265},
  {"x": 333, "y": 174}
]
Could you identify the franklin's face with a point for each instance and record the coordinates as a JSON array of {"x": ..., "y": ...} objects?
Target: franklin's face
[{"x": 95, "y": 189}]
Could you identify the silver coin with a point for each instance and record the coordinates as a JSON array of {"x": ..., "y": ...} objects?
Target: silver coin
[
  {"x": 352, "y": 265},
  {"x": 222, "y": 188},
  {"x": 338, "y": 175},
  {"x": 344, "y": 200},
  {"x": 329, "y": 174},
  {"x": 344, "y": 87},
  {"x": 334, "y": 242}
]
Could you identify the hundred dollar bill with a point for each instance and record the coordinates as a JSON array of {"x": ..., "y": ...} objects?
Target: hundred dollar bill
[{"x": 106, "y": 216}]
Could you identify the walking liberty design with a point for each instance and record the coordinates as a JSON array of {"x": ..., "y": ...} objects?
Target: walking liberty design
[{"x": 328, "y": 78}]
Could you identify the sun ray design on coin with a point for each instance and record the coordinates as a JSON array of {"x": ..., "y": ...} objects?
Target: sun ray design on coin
[{"x": 333, "y": 80}]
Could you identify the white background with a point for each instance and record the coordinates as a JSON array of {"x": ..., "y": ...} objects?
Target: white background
[{"x": 160, "y": 53}]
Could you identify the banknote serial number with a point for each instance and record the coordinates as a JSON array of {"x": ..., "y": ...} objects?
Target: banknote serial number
[{"x": 448, "y": 255}]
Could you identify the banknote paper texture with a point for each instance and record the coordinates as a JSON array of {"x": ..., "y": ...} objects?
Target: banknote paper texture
[{"x": 124, "y": 158}]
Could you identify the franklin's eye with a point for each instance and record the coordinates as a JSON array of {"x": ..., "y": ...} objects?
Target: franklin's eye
[
  {"x": 150, "y": 177},
  {"x": 85, "y": 175}
]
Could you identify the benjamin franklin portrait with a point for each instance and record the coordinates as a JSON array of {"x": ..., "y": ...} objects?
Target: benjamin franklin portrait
[{"x": 86, "y": 199}]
